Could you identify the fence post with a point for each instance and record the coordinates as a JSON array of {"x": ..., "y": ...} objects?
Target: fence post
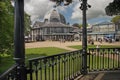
[
  {"x": 84, "y": 38},
  {"x": 19, "y": 53}
]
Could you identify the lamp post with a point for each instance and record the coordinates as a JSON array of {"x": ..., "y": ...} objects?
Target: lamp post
[
  {"x": 19, "y": 51},
  {"x": 84, "y": 38},
  {"x": 84, "y": 6}
]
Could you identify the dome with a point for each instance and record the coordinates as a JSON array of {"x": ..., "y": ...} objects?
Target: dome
[{"x": 54, "y": 16}]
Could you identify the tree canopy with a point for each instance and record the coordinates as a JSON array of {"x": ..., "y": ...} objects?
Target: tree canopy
[
  {"x": 65, "y": 2},
  {"x": 116, "y": 19},
  {"x": 27, "y": 23},
  {"x": 113, "y": 8},
  {"x": 76, "y": 25},
  {"x": 6, "y": 26}
]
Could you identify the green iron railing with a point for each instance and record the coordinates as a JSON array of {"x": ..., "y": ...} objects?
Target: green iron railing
[{"x": 67, "y": 66}]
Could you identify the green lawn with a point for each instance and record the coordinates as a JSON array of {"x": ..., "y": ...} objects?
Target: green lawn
[
  {"x": 7, "y": 61},
  {"x": 94, "y": 46},
  {"x": 45, "y": 51}
]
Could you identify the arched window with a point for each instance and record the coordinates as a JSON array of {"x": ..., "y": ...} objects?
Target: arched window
[
  {"x": 54, "y": 20},
  {"x": 46, "y": 20}
]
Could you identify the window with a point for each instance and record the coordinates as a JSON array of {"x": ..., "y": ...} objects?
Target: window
[
  {"x": 54, "y": 20},
  {"x": 46, "y": 20}
]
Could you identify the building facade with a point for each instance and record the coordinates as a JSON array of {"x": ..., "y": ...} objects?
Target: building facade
[
  {"x": 53, "y": 28},
  {"x": 105, "y": 29}
]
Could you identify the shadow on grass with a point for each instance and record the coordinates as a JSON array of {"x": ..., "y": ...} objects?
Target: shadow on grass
[
  {"x": 6, "y": 63},
  {"x": 33, "y": 55},
  {"x": 104, "y": 75}
]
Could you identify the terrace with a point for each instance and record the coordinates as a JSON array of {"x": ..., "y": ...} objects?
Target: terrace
[
  {"x": 83, "y": 64},
  {"x": 102, "y": 64}
]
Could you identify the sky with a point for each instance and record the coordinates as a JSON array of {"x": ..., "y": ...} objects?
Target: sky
[{"x": 96, "y": 14}]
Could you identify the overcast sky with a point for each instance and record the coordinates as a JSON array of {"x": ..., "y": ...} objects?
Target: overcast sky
[{"x": 38, "y": 8}]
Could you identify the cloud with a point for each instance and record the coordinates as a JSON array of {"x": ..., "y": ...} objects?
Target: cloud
[
  {"x": 97, "y": 9},
  {"x": 37, "y": 8},
  {"x": 77, "y": 13}
]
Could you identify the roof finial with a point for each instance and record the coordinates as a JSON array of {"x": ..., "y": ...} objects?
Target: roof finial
[{"x": 54, "y": 6}]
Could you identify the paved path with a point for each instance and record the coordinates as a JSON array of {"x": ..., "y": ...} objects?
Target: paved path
[
  {"x": 62, "y": 45},
  {"x": 52, "y": 44},
  {"x": 111, "y": 75}
]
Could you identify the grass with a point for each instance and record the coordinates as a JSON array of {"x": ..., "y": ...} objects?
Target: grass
[
  {"x": 45, "y": 51},
  {"x": 7, "y": 60},
  {"x": 94, "y": 46}
]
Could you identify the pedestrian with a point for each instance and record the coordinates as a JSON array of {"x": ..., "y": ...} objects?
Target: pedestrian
[{"x": 92, "y": 42}]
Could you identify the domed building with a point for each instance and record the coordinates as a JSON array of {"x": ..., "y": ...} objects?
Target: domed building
[{"x": 53, "y": 28}]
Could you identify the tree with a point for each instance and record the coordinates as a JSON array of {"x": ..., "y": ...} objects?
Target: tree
[
  {"x": 80, "y": 25},
  {"x": 113, "y": 8},
  {"x": 27, "y": 23},
  {"x": 76, "y": 25},
  {"x": 116, "y": 19},
  {"x": 65, "y": 2},
  {"x": 6, "y": 27},
  {"x": 6, "y": 31}
]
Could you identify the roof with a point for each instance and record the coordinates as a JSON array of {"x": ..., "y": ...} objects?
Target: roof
[
  {"x": 38, "y": 24},
  {"x": 55, "y": 24},
  {"x": 54, "y": 15},
  {"x": 52, "y": 19},
  {"x": 102, "y": 33},
  {"x": 62, "y": 34},
  {"x": 103, "y": 23},
  {"x": 58, "y": 34}
]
